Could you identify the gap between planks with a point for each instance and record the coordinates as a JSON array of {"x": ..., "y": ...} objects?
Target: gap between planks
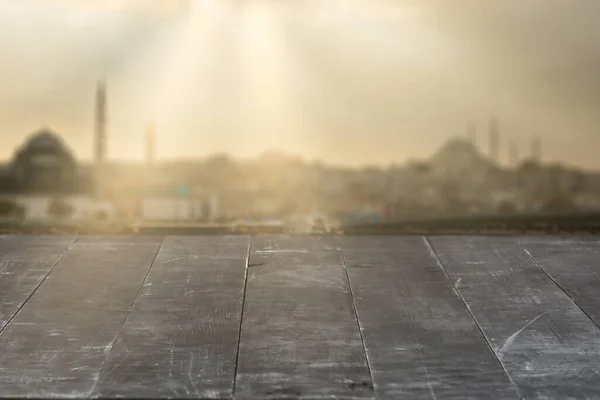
[
  {"x": 358, "y": 324},
  {"x": 483, "y": 335},
  {"x": 535, "y": 261},
  {"x": 237, "y": 354},
  {"x": 67, "y": 250},
  {"x": 111, "y": 345}
]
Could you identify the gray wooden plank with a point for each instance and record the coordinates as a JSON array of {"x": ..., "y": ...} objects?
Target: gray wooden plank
[
  {"x": 156, "y": 239},
  {"x": 548, "y": 346},
  {"x": 574, "y": 264},
  {"x": 57, "y": 343},
  {"x": 23, "y": 247},
  {"x": 25, "y": 261},
  {"x": 181, "y": 337},
  {"x": 300, "y": 337},
  {"x": 420, "y": 339}
]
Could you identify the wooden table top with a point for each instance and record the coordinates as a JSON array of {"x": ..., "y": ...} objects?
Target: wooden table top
[{"x": 221, "y": 317}]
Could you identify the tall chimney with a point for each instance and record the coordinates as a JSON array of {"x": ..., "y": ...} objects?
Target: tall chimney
[
  {"x": 100, "y": 123},
  {"x": 150, "y": 144},
  {"x": 494, "y": 139}
]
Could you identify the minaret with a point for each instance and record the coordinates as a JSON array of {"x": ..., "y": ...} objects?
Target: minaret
[
  {"x": 494, "y": 139},
  {"x": 513, "y": 152},
  {"x": 100, "y": 124},
  {"x": 150, "y": 144},
  {"x": 472, "y": 133},
  {"x": 536, "y": 149}
]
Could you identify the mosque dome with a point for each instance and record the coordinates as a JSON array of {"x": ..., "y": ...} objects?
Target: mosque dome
[
  {"x": 42, "y": 152},
  {"x": 45, "y": 140}
]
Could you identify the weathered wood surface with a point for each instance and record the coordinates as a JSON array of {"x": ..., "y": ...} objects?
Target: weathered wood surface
[
  {"x": 181, "y": 337},
  {"x": 25, "y": 261},
  {"x": 548, "y": 346},
  {"x": 57, "y": 343},
  {"x": 116, "y": 317},
  {"x": 300, "y": 337},
  {"x": 420, "y": 339},
  {"x": 574, "y": 264}
]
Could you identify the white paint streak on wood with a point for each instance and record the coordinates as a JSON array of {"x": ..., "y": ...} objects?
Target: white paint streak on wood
[{"x": 512, "y": 337}]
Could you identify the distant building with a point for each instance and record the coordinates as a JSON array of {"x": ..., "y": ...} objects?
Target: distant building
[
  {"x": 459, "y": 158},
  {"x": 100, "y": 123},
  {"x": 44, "y": 165},
  {"x": 170, "y": 208}
]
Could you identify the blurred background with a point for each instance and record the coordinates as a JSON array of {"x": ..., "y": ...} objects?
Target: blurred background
[{"x": 300, "y": 115}]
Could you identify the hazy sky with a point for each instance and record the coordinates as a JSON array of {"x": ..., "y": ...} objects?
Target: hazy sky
[{"x": 346, "y": 81}]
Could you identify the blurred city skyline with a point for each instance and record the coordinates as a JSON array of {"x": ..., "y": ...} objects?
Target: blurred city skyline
[{"x": 346, "y": 82}]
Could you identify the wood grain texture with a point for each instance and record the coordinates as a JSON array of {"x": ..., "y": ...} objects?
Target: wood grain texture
[
  {"x": 181, "y": 337},
  {"x": 300, "y": 337},
  {"x": 74, "y": 332},
  {"x": 549, "y": 347},
  {"x": 421, "y": 341},
  {"x": 58, "y": 342},
  {"x": 25, "y": 261},
  {"x": 574, "y": 264}
]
